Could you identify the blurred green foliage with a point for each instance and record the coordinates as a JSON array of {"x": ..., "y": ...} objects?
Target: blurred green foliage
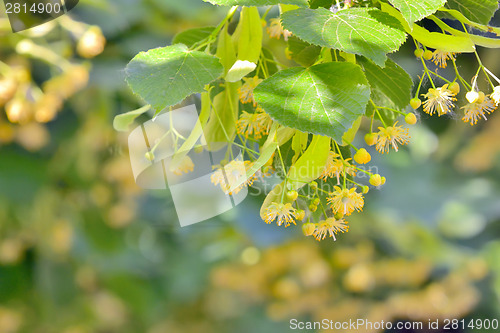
[{"x": 83, "y": 249}]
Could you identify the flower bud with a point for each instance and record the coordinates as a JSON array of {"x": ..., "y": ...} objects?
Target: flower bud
[
  {"x": 427, "y": 55},
  {"x": 8, "y": 88},
  {"x": 313, "y": 208},
  {"x": 316, "y": 202},
  {"x": 91, "y": 43},
  {"x": 362, "y": 156},
  {"x": 371, "y": 139},
  {"x": 313, "y": 185},
  {"x": 292, "y": 195},
  {"x": 18, "y": 110},
  {"x": 480, "y": 97},
  {"x": 418, "y": 53},
  {"x": 47, "y": 107},
  {"x": 308, "y": 228},
  {"x": 300, "y": 214},
  {"x": 411, "y": 119},
  {"x": 149, "y": 156},
  {"x": 376, "y": 180},
  {"x": 454, "y": 88},
  {"x": 365, "y": 189},
  {"x": 415, "y": 103}
]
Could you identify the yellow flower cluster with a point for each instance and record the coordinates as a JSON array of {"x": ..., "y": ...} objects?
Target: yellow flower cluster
[
  {"x": 254, "y": 124},
  {"x": 231, "y": 175}
]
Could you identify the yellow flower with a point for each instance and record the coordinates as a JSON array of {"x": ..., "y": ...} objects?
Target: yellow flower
[
  {"x": 495, "y": 96},
  {"x": 330, "y": 227},
  {"x": 440, "y": 57},
  {"x": 246, "y": 90},
  {"x": 282, "y": 213},
  {"x": 480, "y": 108},
  {"x": 345, "y": 201},
  {"x": 257, "y": 123},
  {"x": 335, "y": 167},
  {"x": 185, "y": 166},
  {"x": 391, "y": 135},
  {"x": 439, "y": 100},
  {"x": 275, "y": 30},
  {"x": 231, "y": 174}
]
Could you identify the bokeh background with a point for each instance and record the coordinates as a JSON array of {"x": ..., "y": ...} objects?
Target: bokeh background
[{"x": 84, "y": 249}]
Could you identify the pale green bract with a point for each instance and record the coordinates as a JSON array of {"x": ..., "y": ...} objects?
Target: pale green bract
[
  {"x": 364, "y": 31},
  {"x": 324, "y": 99},
  {"x": 123, "y": 121},
  {"x": 416, "y": 10},
  {"x": 249, "y": 3},
  {"x": 480, "y": 11},
  {"x": 166, "y": 76}
]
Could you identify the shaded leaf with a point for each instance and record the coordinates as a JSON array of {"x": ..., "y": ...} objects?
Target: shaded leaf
[
  {"x": 192, "y": 36},
  {"x": 392, "y": 80},
  {"x": 302, "y": 52}
]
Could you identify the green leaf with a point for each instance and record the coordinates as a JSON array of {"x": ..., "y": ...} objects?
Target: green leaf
[
  {"x": 416, "y": 10},
  {"x": 302, "y": 52},
  {"x": 324, "y": 99},
  {"x": 269, "y": 61},
  {"x": 166, "y": 76},
  {"x": 123, "y": 121},
  {"x": 364, "y": 31},
  {"x": 313, "y": 4},
  {"x": 392, "y": 80},
  {"x": 192, "y": 36},
  {"x": 480, "y": 11},
  {"x": 379, "y": 98},
  {"x": 300, "y": 3},
  {"x": 311, "y": 164}
]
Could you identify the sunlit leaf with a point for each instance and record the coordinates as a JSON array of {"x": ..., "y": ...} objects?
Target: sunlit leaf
[
  {"x": 166, "y": 76},
  {"x": 364, "y": 31},
  {"x": 324, "y": 99}
]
